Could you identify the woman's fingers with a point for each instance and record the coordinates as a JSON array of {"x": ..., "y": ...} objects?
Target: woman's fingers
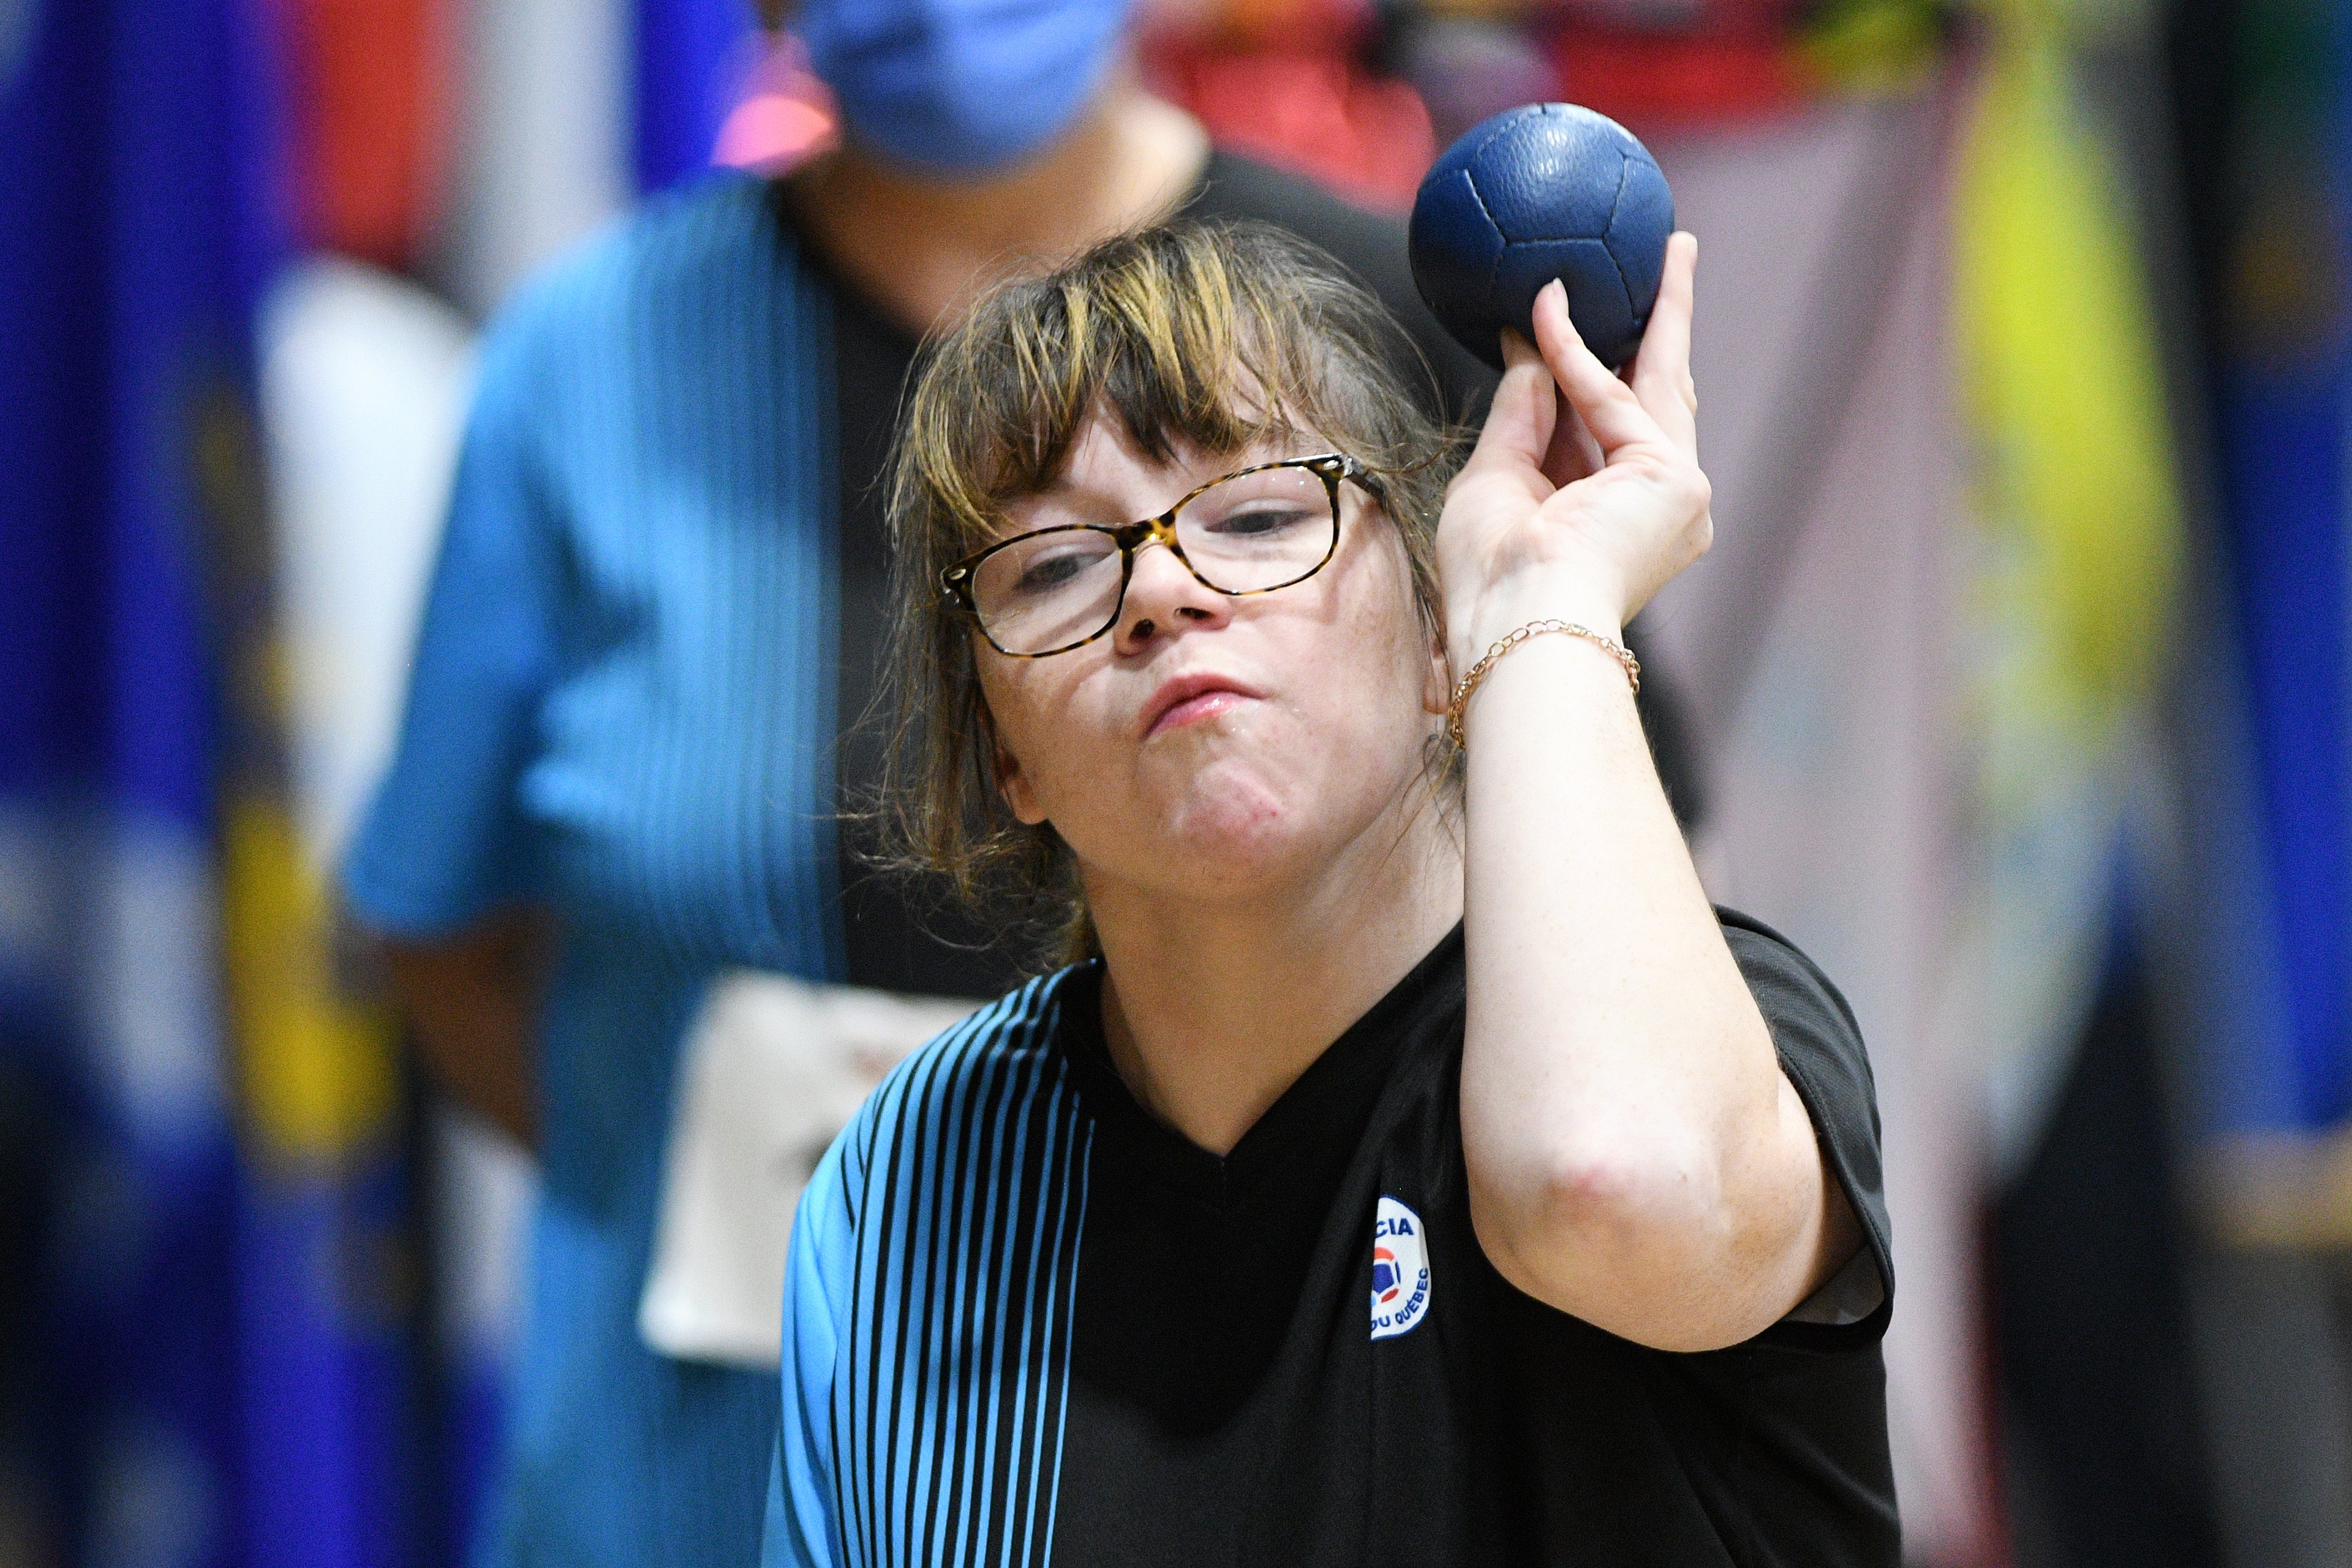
[
  {"x": 1571, "y": 454},
  {"x": 1607, "y": 405},
  {"x": 1520, "y": 417},
  {"x": 1574, "y": 455},
  {"x": 1661, "y": 377},
  {"x": 1526, "y": 428}
]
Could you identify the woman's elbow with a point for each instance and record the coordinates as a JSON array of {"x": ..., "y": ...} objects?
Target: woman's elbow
[
  {"x": 1591, "y": 1200},
  {"x": 1638, "y": 1237}
]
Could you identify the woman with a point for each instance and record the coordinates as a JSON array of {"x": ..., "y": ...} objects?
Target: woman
[{"x": 1088, "y": 1278}]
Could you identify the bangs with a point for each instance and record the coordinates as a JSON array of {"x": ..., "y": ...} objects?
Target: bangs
[{"x": 1202, "y": 336}]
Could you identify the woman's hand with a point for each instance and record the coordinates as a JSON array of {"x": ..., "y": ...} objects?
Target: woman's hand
[{"x": 1582, "y": 517}]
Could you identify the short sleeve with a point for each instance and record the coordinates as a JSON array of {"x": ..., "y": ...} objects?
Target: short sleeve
[
  {"x": 444, "y": 840},
  {"x": 803, "y": 1529},
  {"x": 1821, "y": 1051}
]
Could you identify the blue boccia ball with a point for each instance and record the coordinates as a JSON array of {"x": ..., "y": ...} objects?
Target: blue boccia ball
[{"x": 1543, "y": 191}]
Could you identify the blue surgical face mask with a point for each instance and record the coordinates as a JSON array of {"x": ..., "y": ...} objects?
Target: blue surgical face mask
[{"x": 960, "y": 86}]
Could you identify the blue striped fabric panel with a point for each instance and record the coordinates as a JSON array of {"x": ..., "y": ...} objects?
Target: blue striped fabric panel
[{"x": 928, "y": 1316}]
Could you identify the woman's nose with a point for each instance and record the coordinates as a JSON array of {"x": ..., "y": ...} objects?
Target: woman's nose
[{"x": 1162, "y": 594}]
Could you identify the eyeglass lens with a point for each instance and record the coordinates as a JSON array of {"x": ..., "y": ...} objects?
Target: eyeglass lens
[{"x": 1047, "y": 590}]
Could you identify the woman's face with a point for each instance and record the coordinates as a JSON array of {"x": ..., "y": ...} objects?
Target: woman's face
[{"x": 1210, "y": 747}]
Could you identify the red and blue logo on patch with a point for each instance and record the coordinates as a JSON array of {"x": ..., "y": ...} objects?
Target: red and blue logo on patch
[{"x": 1400, "y": 1269}]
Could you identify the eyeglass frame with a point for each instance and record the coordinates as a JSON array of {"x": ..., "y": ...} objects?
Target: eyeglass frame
[{"x": 1333, "y": 468}]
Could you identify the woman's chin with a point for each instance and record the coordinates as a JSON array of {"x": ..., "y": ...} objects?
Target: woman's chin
[
  {"x": 1234, "y": 803},
  {"x": 1236, "y": 828},
  {"x": 1236, "y": 838}
]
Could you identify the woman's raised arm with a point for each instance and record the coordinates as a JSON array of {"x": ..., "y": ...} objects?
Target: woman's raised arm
[{"x": 1636, "y": 1156}]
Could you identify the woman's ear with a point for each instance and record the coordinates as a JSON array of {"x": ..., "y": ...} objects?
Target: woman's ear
[
  {"x": 1437, "y": 687},
  {"x": 1014, "y": 785}
]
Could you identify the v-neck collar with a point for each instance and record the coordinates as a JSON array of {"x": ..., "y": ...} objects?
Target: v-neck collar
[{"x": 1335, "y": 1094}]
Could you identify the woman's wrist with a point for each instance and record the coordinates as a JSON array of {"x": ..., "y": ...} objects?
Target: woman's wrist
[{"x": 1576, "y": 594}]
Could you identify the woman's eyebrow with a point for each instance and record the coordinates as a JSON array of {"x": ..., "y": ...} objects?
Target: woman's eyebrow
[
  {"x": 1100, "y": 505},
  {"x": 1085, "y": 504},
  {"x": 1181, "y": 478}
]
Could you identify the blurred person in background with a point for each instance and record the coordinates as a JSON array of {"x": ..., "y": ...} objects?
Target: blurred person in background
[{"x": 615, "y": 806}]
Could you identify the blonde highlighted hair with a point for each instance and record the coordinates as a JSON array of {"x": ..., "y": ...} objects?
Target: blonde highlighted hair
[{"x": 1209, "y": 337}]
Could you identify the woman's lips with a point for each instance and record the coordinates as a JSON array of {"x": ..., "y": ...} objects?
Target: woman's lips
[
  {"x": 1189, "y": 699},
  {"x": 1208, "y": 705}
]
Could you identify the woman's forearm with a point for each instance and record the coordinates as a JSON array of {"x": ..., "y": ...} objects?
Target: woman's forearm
[
  {"x": 1636, "y": 1156},
  {"x": 472, "y": 1003}
]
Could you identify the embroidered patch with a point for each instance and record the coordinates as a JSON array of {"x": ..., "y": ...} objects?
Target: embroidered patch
[{"x": 1400, "y": 1269}]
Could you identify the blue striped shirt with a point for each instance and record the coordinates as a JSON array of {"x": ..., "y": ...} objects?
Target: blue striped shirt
[
  {"x": 622, "y": 706},
  {"x": 930, "y": 1297}
]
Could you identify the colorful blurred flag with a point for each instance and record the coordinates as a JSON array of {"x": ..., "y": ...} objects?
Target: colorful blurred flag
[
  {"x": 133, "y": 231},
  {"x": 2279, "y": 1086}
]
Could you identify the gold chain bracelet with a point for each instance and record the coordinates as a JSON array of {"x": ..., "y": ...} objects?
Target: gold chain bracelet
[{"x": 1469, "y": 682}]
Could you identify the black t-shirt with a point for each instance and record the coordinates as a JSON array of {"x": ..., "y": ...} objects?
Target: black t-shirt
[
  {"x": 902, "y": 935},
  {"x": 1025, "y": 1319}
]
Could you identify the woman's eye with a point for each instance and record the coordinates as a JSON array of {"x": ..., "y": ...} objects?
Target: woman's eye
[
  {"x": 1254, "y": 522},
  {"x": 1046, "y": 573}
]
